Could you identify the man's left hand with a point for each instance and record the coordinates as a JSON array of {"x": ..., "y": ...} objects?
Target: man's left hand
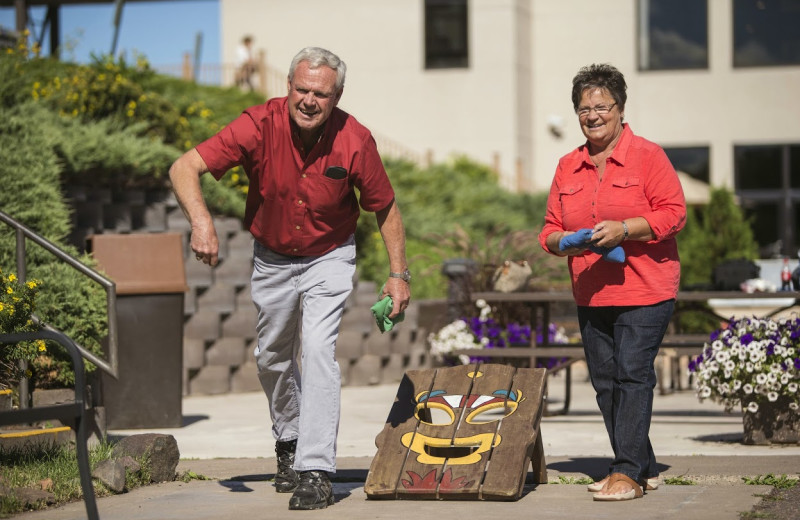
[{"x": 400, "y": 291}]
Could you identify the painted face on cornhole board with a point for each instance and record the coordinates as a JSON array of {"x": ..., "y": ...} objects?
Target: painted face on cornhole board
[{"x": 460, "y": 432}]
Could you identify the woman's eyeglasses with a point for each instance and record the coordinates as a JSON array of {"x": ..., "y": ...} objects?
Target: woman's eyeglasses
[{"x": 600, "y": 110}]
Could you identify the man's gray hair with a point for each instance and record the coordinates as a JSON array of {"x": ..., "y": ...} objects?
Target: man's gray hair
[{"x": 317, "y": 57}]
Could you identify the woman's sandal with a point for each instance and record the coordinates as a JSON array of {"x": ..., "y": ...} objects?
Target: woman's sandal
[
  {"x": 634, "y": 492},
  {"x": 594, "y": 487}
]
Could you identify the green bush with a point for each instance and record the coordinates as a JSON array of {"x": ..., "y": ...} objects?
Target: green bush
[
  {"x": 457, "y": 210},
  {"x": 30, "y": 176},
  {"x": 713, "y": 233}
]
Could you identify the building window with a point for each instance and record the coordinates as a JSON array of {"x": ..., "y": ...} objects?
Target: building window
[
  {"x": 767, "y": 180},
  {"x": 692, "y": 160},
  {"x": 765, "y": 32},
  {"x": 673, "y": 34},
  {"x": 446, "y": 42}
]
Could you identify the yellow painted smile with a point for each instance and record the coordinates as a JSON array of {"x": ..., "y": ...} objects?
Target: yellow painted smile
[{"x": 434, "y": 450}]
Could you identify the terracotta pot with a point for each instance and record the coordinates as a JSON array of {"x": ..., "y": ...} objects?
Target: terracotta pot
[{"x": 773, "y": 423}]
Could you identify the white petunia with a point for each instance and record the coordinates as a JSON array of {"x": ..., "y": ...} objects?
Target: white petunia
[{"x": 752, "y": 407}]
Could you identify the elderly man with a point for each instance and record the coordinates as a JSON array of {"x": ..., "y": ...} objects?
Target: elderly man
[{"x": 303, "y": 156}]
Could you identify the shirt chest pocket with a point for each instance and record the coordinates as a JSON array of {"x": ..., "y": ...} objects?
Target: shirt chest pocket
[
  {"x": 625, "y": 191},
  {"x": 572, "y": 198}
]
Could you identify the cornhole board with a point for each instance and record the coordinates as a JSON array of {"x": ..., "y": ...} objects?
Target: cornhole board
[{"x": 465, "y": 432}]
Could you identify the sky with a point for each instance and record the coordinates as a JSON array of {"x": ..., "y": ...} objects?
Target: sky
[{"x": 162, "y": 31}]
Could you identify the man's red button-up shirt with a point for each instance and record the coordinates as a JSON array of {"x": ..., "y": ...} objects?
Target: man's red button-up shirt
[
  {"x": 638, "y": 181},
  {"x": 293, "y": 207}
]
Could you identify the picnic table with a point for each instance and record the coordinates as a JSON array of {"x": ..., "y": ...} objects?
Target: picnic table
[{"x": 540, "y": 303}]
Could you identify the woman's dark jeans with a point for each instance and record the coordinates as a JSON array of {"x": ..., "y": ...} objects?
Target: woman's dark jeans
[{"x": 621, "y": 344}]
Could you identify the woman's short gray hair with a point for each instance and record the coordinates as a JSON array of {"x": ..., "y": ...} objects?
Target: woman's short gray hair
[
  {"x": 317, "y": 57},
  {"x": 602, "y": 76}
]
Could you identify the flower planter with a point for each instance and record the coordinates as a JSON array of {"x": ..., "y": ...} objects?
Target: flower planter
[{"x": 773, "y": 423}]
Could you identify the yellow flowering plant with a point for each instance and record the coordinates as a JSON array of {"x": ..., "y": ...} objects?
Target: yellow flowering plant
[{"x": 17, "y": 303}]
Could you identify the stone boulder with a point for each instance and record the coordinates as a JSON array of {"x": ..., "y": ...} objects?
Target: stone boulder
[{"x": 160, "y": 450}]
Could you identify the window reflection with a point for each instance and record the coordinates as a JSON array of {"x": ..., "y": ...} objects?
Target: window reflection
[
  {"x": 692, "y": 160},
  {"x": 673, "y": 34},
  {"x": 765, "y": 32},
  {"x": 763, "y": 177},
  {"x": 446, "y": 43}
]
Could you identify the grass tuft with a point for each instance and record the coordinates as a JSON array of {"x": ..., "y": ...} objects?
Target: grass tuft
[
  {"x": 782, "y": 482},
  {"x": 54, "y": 467}
]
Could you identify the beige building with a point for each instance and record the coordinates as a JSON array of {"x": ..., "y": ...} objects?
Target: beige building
[{"x": 715, "y": 82}]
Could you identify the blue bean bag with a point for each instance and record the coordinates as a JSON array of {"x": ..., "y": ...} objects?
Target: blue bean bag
[{"x": 582, "y": 238}]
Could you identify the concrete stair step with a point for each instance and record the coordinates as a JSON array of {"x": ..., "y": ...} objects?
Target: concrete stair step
[
  {"x": 176, "y": 221},
  {"x": 245, "y": 378},
  {"x": 365, "y": 371},
  {"x": 227, "y": 226},
  {"x": 194, "y": 353},
  {"x": 190, "y": 302},
  {"x": 358, "y": 319},
  {"x": 203, "y": 325},
  {"x": 235, "y": 270},
  {"x": 242, "y": 322},
  {"x": 350, "y": 344},
  {"x": 226, "y": 352},
  {"x": 198, "y": 274},
  {"x": 241, "y": 242},
  {"x": 210, "y": 380},
  {"x": 155, "y": 217},
  {"x": 379, "y": 344},
  {"x": 219, "y": 297}
]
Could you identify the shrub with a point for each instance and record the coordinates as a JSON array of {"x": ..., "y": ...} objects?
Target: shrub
[
  {"x": 17, "y": 303},
  {"x": 30, "y": 176}
]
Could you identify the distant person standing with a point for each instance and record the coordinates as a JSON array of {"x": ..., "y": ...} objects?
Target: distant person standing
[{"x": 245, "y": 64}]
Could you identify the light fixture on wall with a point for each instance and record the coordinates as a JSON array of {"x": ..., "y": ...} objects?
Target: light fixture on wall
[{"x": 556, "y": 125}]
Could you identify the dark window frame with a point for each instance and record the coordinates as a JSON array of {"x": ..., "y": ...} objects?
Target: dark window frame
[
  {"x": 783, "y": 200},
  {"x": 787, "y": 26},
  {"x": 705, "y": 174},
  {"x": 644, "y": 41},
  {"x": 446, "y": 34}
]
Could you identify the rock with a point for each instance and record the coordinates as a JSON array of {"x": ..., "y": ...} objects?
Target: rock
[
  {"x": 130, "y": 464},
  {"x": 161, "y": 451},
  {"x": 111, "y": 473},
  {"x": 31, "y": 497}
]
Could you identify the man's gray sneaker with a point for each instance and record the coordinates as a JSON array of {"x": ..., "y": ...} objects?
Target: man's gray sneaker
[
  {"x": 286, "y": 477},
  {"x": 313, "y": 492}
]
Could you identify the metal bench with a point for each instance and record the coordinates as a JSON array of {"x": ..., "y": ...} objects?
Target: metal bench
[{"x": 72, "y": 414}]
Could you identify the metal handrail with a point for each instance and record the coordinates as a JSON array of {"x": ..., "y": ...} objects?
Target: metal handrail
[{"x": 110, "y": 367}]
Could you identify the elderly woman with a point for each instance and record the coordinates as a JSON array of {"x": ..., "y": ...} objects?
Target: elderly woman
[{"x": 614, "y": 209}]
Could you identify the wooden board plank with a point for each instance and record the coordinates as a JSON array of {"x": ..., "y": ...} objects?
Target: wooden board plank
[
  {"x": 426, "y": 473},
  {"x": 482, "y": 411},
  {"x": 387, "y": 466},
  {"x": 519, "y": 428}
]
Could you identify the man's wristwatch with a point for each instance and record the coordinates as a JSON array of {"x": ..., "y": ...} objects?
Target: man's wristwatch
[{"x": 405, "y": 276}]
